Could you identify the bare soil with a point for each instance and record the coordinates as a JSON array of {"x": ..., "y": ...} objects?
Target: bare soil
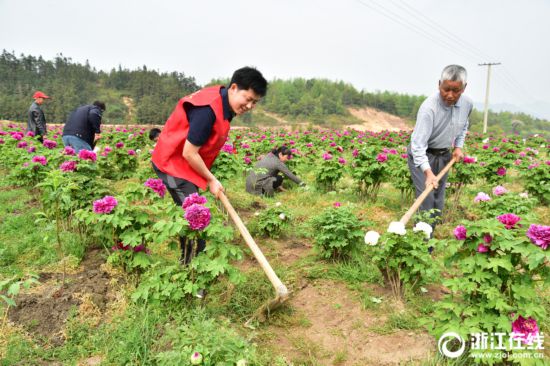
[
  {"x": 43, "y": 312},
  {"x": 376, "y": 120}
]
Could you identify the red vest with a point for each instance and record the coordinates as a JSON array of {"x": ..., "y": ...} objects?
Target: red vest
[{"x": 167, "y": 155}]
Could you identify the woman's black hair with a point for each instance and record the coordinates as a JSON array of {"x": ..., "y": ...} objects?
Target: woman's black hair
[{"x": 281, "y": 150}]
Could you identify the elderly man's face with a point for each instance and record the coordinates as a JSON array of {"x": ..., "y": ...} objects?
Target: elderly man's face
[{"x": 450, "y": 91}]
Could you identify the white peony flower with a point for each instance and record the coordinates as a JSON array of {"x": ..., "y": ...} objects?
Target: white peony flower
[
  {"x": 486, "y": 140},
  {"x": 277, "y": 204},
  {"x": 282, "y": 216},
  {"x": 397, "y": 227},
  {"x": 422, "y": 226},
  {"x": 371, "y": 237},
  {"x": 242, "y": 362},
  {"x": 524, "y": 195},
  {"x": 256, "y": 213}
]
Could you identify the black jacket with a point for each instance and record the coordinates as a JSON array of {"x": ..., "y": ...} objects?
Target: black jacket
[
  {"x": 36, "y": 121},
  {"x": 84, "y": 122}
]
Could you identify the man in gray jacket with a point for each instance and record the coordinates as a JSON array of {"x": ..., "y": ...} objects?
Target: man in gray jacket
[
  {"x": 265, "y": 177},
  {"x": 439, "y": 134},
  {"x": 36, "y": 122}
]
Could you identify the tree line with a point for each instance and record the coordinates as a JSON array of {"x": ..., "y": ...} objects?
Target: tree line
[{"x": 147, "y": 96}]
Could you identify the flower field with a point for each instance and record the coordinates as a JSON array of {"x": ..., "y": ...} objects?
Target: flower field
[{"x": 89, "y": 270}]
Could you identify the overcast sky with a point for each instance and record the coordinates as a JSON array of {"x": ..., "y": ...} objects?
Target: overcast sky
[{"x": 396, "y": 45}]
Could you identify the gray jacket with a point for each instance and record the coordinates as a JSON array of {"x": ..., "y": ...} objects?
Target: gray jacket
[
  {"x": 36, "y": 121},
  {"x": 260, "y": 179}
]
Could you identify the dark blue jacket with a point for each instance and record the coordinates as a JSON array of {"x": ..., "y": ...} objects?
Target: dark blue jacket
[{"x": 84, "y": 122}]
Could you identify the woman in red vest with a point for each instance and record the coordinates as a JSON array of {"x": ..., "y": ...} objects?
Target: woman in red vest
[{"x": 194, "y": 134}]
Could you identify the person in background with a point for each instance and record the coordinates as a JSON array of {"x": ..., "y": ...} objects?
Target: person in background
[
  {"x": 192, "y": 138},
  {"x": 82, "y": 125},
  {"x": 154, "y": 134},
  {"x": 441, "y": 125},
  {"x": 36, "y": 122},
  {"x": 265, "y": 178}
]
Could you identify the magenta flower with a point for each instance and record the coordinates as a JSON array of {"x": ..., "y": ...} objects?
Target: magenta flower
[
  {"x": 501, "y": 171},
  {"x": 68, "y": 166},
  {"x": 105, "y": 205},
  {"x": 337, "y": 204},
  {"x": 517, "y": 162},
  {"x": 31, "y": 149},
  {"x": 460, "y": 232},
  {"x": 355, "y": 152},
  {"x": 485, "y": 147},
  {"x": 309, "y": 144},
  {"x": 525, "y": 330},
  {"x": 17, "y": 136},
  {"x": 87, "y": 155},
  {"x": 499, "y": 190},
  {"x": 107, "y": 149},
  {"x": 481, "y": 196},
  {"x": 2, "y": 141},
  {"x": 469, "y": 160},
  {"x": 131, "y": 152},
  {"x": 481, "y": 248},
  {"x": 341, "y": 160},
  {"x": 228, "y": 148},
  {"x": 539, "y": 235},
  {"x": 198, "y": 216},
  {"x": 509, "y": 220},
  {"x": 22, "y": 144},
  {"x": 49, "y": 144},
  {"x": 193, "y": 198},
  {"x": 30, "y": 134},
  {"x": 119, "y": 145},
  {"x": 40, "y": 159},
  {"x": 156, "y": 185},
  {"x": 247, "y": 160},
  {"x": 487, "y": 238},
  {"x": 68, "y": 150},
  {"x": 381, "y": 157},
  {"x": 327, "y": 156},
  {"x": 404, "y": 156}
]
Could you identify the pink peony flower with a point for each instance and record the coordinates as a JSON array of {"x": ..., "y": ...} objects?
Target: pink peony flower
[
  {"x": 22, "y": 144},
  {"x": 156, "y": 185},
  {"x": 481, "y": 196},
  {"x": 355, "y": 153},
  {"x": 31, "y": 149},
  {"x": 68, "y": 166},
  {"x": 40, "y": 159},
  {"x": 487, "y": 238},
  {"x": 509, "y": 220},
  {"x": 228, "y": 148},
  {"x": 501, "y": 171},
  {"x": 49, "y": 144},
  {"x": 17, "y": 136},
  {"x": 381, "y": 157},
  {"x": 193, "y": 198},
  {"x": 107, "y": 149},
  {"x": 198, "y": 216},
  {"x": 460, "y": 232},
  {"x": 539, "y": 235},
  {"x": 105, "y": 205},
  {"x": 517, "y": 162},
  {"x": 309, "y": 144},
  {"x": 30, "y": 134},
  {"x": 341, "y": 160},
  {"x": 118, "y": 145},
  {"x": 68, "y": 150},
  {"x": 337, "y": 204},
  {"x": 525, "y": 329},
  {"x": 499, "y": 190},
  {"x": 469, "y": 160},
  {"x": 327, "y": 156},
  {"x": 131, "y": 152},
  {"x": 2, "y": 141},
  {"x": 87, "y": 155},
  {"x": 481, "y": 248},
  {"x": 247, "y": 160}
]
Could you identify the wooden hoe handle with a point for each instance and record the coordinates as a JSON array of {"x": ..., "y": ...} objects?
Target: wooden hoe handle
[
  {"x": 280, "y": 288},
  {"x": 407, "y": 216}
]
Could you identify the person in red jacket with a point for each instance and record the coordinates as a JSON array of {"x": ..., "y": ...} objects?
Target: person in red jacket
[{"x": 195, "y": 132}]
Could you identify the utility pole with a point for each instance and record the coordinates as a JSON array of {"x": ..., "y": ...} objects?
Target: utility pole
[{"x": 488, "y": 64}]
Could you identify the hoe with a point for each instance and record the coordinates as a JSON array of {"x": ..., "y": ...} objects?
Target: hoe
[
  {"x": 280, "y": 289},
  {"x": 407, "y": 216}
]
